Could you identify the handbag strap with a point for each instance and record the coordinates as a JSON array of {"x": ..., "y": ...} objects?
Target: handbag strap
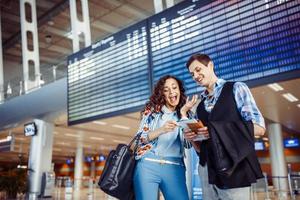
[{"x": 136, "y": 139}]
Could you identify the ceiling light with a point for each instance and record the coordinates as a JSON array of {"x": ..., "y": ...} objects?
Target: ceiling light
[
  {"x": 48, "y": 38},
  {"x": 121, "y": 127},
  {"x": 119, "y": 141},
  {"x": 64, "y": 143},
  {"x": 298, "y": 105},
  {"x": 99, "y": 122},
  {"x": 9, "y": 90},
  {"x": 50, "y": 22},
  {"x": 22, "y": 166},
  {"x": 275, "y": 86},
  {"x": 96, "y": 138},
  {"x": 70, "y": 35},
  {"x": 290, "y": 97},
  {"x": 71, "y": 135}
]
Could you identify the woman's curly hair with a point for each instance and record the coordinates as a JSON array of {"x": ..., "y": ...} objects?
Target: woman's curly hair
[{"x": 157, "y": 99}]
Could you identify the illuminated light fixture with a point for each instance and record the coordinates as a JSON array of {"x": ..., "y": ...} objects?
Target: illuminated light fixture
[
  {"x": 101, "y": 158},
  {"x": 121, "y": 127},
  {"x": 99, "y": 122},
  {"x": 290, "y": 97},
  {"x": 71, "y": 135},
  {"x": 275, "y": 86},
  {"x": 298, "y": 105},
  {"x": 119, "y": 141},
  {"x": 41, "y": 80},
  {"x": 69, "y": 34},
  {"x": 69, "y": 161},
  {"x": 7, "y": 139},
  {"x": 9, "y": 90},
  {"x": 96, "y": 138},
  {"x": 64, "y": 143},
  {"x": 22, "y": 166}
]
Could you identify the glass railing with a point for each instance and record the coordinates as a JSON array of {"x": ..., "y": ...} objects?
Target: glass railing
[
  {"x": 277, "y": 187},
  {"x": 48, "y": 74}
]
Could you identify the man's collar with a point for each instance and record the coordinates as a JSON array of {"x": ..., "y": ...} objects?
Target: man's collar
[{"x": 219, "y": 82}]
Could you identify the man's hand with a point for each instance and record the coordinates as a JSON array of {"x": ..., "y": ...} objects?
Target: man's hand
[
  {"x": 189, "y": 135},
  {"x": 192, "y": 136},
  {"x": 203, "y": 132}
]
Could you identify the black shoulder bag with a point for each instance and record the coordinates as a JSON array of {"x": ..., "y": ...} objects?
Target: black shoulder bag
[{"x": 117, "y": 175}]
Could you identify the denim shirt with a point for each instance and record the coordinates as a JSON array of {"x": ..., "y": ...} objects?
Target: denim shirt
[
  {"x": 243, "y": 98},
  {"x": 169, "y": 144}
]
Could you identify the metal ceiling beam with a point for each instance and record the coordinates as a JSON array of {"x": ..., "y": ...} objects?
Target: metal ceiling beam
[
  {"x": 99, "y": 24},
  {"x": 42, "y": 58},
  {"x": 129, "y": 8},
  {"x": 45, "y": 4},
  {"x": 104, "y": 26},
  {"x": 55, "y": 48},
  {"x": 58, "y": 8}
]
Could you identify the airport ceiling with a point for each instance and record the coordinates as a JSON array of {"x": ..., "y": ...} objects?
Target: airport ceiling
[
  {"x": 106, "y": 17},
  {"x": 54, "y": 26}
]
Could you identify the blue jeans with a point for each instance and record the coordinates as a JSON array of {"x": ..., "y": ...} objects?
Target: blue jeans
[
  {"x": 212, "y": 192},
  {"x": 150, "y": 176}
]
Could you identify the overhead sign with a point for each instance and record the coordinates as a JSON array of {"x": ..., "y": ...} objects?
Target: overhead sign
[{"x": 247, "y": 40}]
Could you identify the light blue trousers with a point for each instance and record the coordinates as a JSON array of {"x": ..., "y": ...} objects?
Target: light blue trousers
[
  {"x": 212, "y": 192},
  {"x": 150, "y": 176}
]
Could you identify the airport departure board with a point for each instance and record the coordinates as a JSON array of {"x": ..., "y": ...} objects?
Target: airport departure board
[
  {"x": 247, "y": 40},
  {"x": 109, "y": 76}
]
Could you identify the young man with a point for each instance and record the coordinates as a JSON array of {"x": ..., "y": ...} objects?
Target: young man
[{"x": 228, "y": 164}]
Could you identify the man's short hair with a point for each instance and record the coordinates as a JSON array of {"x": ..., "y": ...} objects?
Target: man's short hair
[{"x": 202, "y": 58}]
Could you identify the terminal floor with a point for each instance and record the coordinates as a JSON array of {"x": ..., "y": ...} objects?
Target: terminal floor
[{"x": 97, "y": 194}]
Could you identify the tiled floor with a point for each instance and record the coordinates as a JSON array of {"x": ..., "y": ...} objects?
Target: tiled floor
[{"x": 97, "y": 194}]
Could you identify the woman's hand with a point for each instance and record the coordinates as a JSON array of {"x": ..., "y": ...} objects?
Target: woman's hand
[
  {"x": 188, "y": 105},
  {"x": 168, "y": 126}
]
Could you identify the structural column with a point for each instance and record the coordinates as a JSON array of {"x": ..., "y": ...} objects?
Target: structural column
[
  {"x": 159, "y": 5},
  {"x": 278, "y": 163},
  {"x": 80, "y": 27},
  {"x": 30, "y": 52},
  {"x": 40, "y": 156},
  {"x": 78, "y": 167},
  {"x": 1, "y": 67}
]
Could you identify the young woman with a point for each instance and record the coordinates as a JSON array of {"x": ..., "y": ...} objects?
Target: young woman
[{"x": 161, "y": 146}]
